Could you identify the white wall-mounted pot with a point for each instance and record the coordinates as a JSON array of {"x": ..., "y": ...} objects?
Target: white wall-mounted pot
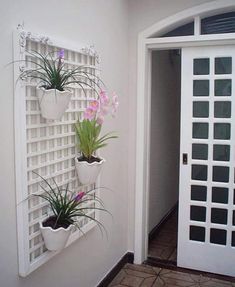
[
  {"x": 53, "y": 103},
  {"x": 88, "y": 172},
  {"x": 55, "y": 239}
]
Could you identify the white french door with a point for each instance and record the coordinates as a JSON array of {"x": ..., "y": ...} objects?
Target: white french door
[{"x": 206, "y": 233}]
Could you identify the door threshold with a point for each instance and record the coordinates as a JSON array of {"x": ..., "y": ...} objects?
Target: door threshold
[{"x": 153, "y": 261}]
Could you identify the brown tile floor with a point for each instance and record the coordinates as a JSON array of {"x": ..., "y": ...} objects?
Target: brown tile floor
[
  {"x": 164, "y": 244},
  {"x": 147, "y": 276}
]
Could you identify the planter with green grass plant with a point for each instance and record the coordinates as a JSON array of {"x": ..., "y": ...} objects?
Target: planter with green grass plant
[
  {"x": 54, "y": 80},
  {"x": 66, "y": 208}
]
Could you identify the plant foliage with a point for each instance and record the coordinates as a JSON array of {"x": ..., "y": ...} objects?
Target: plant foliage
[
  {"x": 89, "y": 139},
  {"x": 67, "y": 206},
  {"x": 52, "y": 73}
]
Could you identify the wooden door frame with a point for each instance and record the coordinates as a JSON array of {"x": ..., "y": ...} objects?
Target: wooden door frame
[{"x": 148, "y": 41}]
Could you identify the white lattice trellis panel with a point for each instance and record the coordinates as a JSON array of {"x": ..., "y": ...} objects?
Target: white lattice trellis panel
[{"x": 45, "y": 147}]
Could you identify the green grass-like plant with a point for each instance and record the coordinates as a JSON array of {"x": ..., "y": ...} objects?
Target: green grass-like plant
[
  {"x": 89, "y": 139},
  {"x": 52, "y": 73},
  {"x": 68, "y": 207}
]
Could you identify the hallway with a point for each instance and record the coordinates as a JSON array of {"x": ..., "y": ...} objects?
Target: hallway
[{"x": 163, "y": 244}]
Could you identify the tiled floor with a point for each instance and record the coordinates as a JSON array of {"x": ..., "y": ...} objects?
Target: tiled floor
[
  {"x": 147, "y": 276},
  {"x": 164, "y": 244}
]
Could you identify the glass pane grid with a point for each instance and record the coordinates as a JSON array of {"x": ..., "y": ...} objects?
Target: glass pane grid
[
  {"x": 210, "y": 194},
  {"x": 221, "y": 197}
]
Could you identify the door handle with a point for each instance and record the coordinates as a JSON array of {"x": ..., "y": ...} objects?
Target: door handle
[{"x": 185, "y": 158}]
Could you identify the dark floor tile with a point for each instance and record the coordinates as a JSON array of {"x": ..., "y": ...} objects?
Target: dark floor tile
[
  {"x": 132, "y": 281},
  {"x": 161, "y": 251},
  {"x": 165, "y": 239},
  {"x": 170, "y": 275},
  {"x": 138, "y": 273},
  {"x": 117, "y": 280},
  {"x": 164, "y": 244},
  {"x": 142, "y": 268},
  {"x": 173, "y": 256},
  {"x": 148, "y": 282}
]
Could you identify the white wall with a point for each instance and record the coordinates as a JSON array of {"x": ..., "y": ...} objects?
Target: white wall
[
  {"x": 164, "y": 146},
  {"x": 143, "y": 14},
  {"x": 104, "y": 23}
]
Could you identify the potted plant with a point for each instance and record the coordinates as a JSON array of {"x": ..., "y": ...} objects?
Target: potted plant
[
  {"x": 54, "y": 80},
  {"x": 88, "y": 164},
  {"x": 67, "y": 208}
]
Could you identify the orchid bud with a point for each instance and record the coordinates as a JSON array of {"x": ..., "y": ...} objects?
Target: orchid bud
[
  {"x": 61, "y": 54},
  {"x": 79, "y": 196}
]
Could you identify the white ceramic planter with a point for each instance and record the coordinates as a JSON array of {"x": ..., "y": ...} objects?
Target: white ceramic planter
[
  {"x": 53, "y": 103},
  {"x": 55, "y": 239},
  {"x": 88, "y": 172}
]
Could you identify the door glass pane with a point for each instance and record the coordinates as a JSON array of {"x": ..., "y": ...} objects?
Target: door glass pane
[
  {"x": 198, "y": 192},
  {"x": 218, "y": 24},
  {"x": 198, "y": 213},
  {"x": 185, "y": 30},
  {"x": 220, "y": 173},
  {"x": 200, "y": 109},
  {"x": 233, "y": 238},
  {"x": 223, "y": 65},
  {"x": 197, "y": 233},
  {"x": 219, "y": 215},
  {"x": 221, "y": 152},
  {"x": 222, "y": 131},
  {"x": 222, "y": 110},
  {"x": 201, "y": 88},
  {"x": 199, "y": 151},
  {"x": 222, "y": 88},
  {"x": 220, "y": 194},
  {"x": 233, "y": 217},
  {"x": 201, "y": 66},
  {"x": 200, "y": 130},
  {"x": 199, "y": 172},
  {"x": 218, "y": 236}
]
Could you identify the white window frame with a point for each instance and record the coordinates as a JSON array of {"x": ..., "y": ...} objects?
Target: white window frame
[{"x": 147, "y": 42}]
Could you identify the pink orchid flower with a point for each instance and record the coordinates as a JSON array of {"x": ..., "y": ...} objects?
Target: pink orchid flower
[
  {"x": 89, "y": 114},
  {"x": 100, "y": 119},
  {"x": 79, "y": 196},
  {"x": 94, "y": 105},
  {"x": 103, "y": 97},
  {"x": 114, "y": 104}
]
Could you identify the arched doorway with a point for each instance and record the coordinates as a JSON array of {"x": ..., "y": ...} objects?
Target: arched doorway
[{"x": 151, "y": 40}]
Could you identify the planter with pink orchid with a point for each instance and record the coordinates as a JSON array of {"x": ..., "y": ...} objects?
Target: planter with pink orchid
[
  {"x": 66, "y": 208},
  {"x": 89, "y": 140}
]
